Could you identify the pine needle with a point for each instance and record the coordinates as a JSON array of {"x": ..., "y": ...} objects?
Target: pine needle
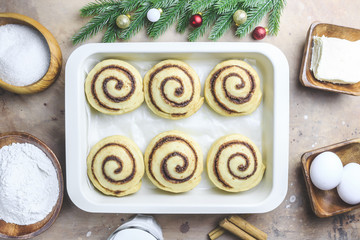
[
  {"x": 137, "y": 23},
  {"x": 253, "y": 3},
  {"x": 166, "y": 20},
  {"x": 223, "y": 6},
  {"x": 209, "y": 18},
  {"x": 201, "y": 5},
  {"x": 130, "y": 5},
  {"x": 95, "y": 25},
  {"x": 163, "y": 3},
  {"x": 254, "y": 16},
  {"x": 111, "y": 33},
  {"x": 274, "y": 17},
  {"x": 184, "y": 18},
  {"x": 98, "y": 7},
  {"x": 221, "y": 26}
]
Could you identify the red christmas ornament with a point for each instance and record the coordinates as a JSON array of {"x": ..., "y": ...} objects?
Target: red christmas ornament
[
  {"x": 259, "y": 33},
  {"x": 196, "y": 20}
]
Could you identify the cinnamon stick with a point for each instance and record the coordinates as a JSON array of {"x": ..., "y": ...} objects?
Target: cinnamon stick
[
  {"x": 247, "y": 227},
  {"x": 235, "y": 230},
  {"x": 217, "y": 232}
]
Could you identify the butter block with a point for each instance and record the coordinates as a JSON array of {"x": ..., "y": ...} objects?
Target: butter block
[{"x": 336, "y": 60}]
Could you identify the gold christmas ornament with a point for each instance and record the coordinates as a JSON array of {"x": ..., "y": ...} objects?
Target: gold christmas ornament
[
  {"x": 240, "y": 17},
  {"x": 123, "y": 21}
]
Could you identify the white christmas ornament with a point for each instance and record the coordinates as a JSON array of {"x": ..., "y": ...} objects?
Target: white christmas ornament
[{"x": 153, "y": 15}]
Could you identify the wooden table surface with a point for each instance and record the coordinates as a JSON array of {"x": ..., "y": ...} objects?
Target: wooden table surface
[{"x": 317, "y": 119}]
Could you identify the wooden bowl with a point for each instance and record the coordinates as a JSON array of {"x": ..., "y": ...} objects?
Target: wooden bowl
[
  {"x": 328, "y": 203},
  {"x": 307, "y": 78},
  {"x": 14, "y": 231},
  {"x": 55, "y": 55}
]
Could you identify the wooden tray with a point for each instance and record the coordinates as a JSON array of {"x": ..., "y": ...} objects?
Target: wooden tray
[
  {"x": 306, "y": 76},
  {"x": 14, "y": 231},
  {"x": 328, "y": 203}
]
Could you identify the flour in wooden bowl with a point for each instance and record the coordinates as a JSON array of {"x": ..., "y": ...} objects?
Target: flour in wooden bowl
[{"x": 29, "y": 186}]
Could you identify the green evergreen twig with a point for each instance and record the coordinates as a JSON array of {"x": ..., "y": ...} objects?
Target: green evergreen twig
[
  {"x": 209, "y": 18},
  {"x": 98, "y": 7},
  {"x": 216, "y": 13},
  {"x": 95, "y": 25},
  {"x": 170, "y": 16},
  {"x": 222, "y": 25},
  {"x": 138, "y": 22},
  {"x": 254, "y": 16},
  {"x": 184, "y": 17},
  {"x": 224, "y": 6},
  {"x": 201, "y": 5},
  {"x": 274, "y": 16}
]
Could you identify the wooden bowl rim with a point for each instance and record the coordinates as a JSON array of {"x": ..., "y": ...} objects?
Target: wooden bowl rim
[
  {"x": 306, "y": 62},
  {"x": 309, "y": 186},
  {"x": 57, "y": 207},
  {"x": 54, "y": 49}
]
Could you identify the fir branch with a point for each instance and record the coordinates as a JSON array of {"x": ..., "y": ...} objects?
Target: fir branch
[
  {"x": 111, "y": 33},
  {"x": 130, "y": 5},
  {"x": 254, "y": 16},
  {"x": 184, "y": 17},
  {"x": 171, "y": 15},
  {"x": 253, "y": 3},
  {"x": 209, "y": 18},
  {"x": 163, "y": 3},
  {"x": 98, "y": 7},
  {"x": 223, "y": 6},
  {"x": 222, "y": 25},
  {"x": 201, "y": 5},
  {"x": 215, "y": 12},
  {"x": 95, "y": 25},
  {"x": 137, "y": 23},
  {"x": 274, "y": 16}
]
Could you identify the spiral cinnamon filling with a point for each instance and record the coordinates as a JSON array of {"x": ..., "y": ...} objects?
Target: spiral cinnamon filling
[
  {"x": 164, "y": 162},
  {"x": 118, "y": 170},
  {"x": 178, "y": 91},
  {"x": 229, "y": 96},
  {"x": 118, "y": 86},
  {"x": 241, "y": 168}
]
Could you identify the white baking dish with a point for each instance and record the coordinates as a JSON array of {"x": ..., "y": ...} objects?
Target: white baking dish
[{"x": 268, "y": 127}]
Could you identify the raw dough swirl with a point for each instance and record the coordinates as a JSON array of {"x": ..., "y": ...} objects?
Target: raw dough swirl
[
  {"x": 115, "y": 166},
  {"x": 114, "y": 87},
  {"x": 174, "y": 162},
  {"x": 233, "y": 88},
  {"x": 172, "y": 90},
  {"x": 234, "y": 163}
]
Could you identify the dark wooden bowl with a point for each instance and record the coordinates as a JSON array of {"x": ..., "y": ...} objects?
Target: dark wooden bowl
[
  {"x": 14, "y": 231},
  {"x": 328, "y": 203},
  {"x": 55, "y": 55},
  {"x": 307, "y": 78}
]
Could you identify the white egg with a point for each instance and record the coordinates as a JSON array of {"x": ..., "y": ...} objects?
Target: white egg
[
  {"x": 349, "y": 187},
  {"x": 326, "y": 171}
]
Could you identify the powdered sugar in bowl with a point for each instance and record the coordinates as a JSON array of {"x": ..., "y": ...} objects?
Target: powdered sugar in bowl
[
  {"x": 50, "y": 71},
  {"x": 32, "y": 210}
]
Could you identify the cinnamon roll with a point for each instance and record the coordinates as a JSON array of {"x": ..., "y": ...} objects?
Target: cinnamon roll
[
  {"x": 234, "y": 163},
  {"x": 114, "y": 87},
  {"x": 174, "y": 162},
  {"x": 115, "y": 166},
  {"x": 233, "y": 88},
  {"x": 172, "y": 90}
]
